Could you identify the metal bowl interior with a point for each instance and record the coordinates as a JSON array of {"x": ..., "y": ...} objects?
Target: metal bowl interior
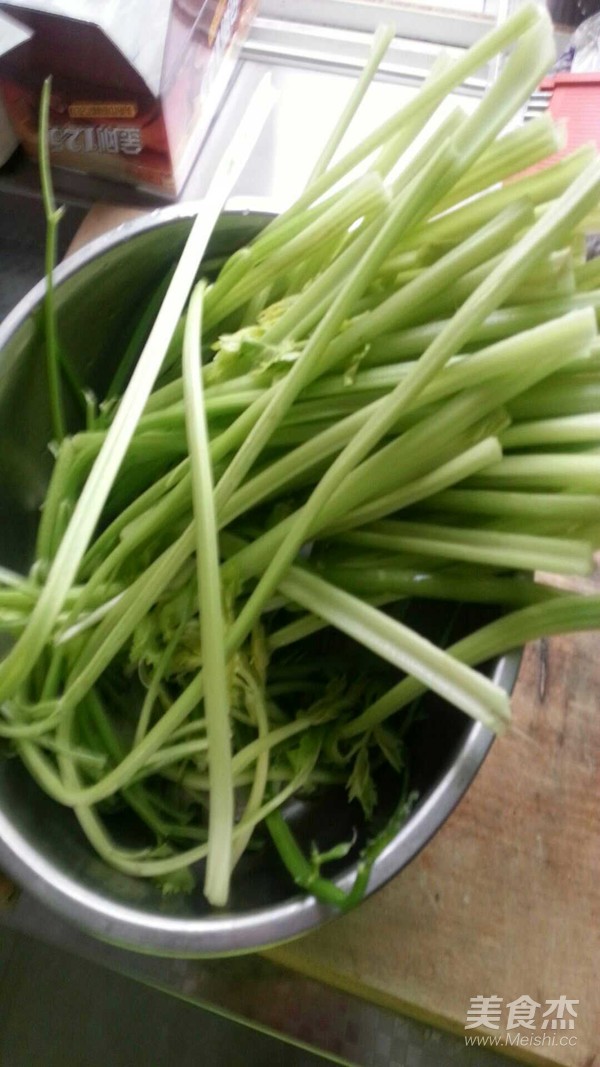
[{"x": 99, "y": 292}]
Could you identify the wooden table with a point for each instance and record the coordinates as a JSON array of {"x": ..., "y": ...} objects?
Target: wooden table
[{"x": 505, "y": 901}]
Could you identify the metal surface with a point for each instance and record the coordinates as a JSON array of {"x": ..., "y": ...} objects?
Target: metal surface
[
  {"x": 276, "y": 1001},
  {"x": 40, "y": 843}
]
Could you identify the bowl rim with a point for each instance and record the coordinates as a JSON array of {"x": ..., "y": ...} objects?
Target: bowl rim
[{"x": 221, "y": 933}]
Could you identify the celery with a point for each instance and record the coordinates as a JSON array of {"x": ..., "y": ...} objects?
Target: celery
[
  {"x": 53, "y": 217},
  {"x": 216, "y": 687},
  {"x": 407, "y": 410}
]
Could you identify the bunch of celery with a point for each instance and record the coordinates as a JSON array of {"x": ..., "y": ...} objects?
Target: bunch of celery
[{"x": 390, "y": 394}]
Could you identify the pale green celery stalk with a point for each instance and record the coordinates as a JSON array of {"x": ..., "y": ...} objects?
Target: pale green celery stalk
[
  {"x": 69, "y": 774},
  {"x": 107, "y": 539},
  {"x": 153, "y": 690},
  {"x": 538, "y": 188},
  {"x": 142, "y": 594},
  {"x": 136, "y": 342},
  {"x": 198, "y": 726},
  {"x": 306, "y": 625},
  {"x": 365, "y": 198},
  {"x": 282, "y": 229},
  {"x": 392, "y": 152},
  {"x": 163, "y": 397},
  {"x": 334, "y": 504},
  {"x": 279, "y": 473},
  {"x": 383, "y": 37},
  {"x": 495, "y": 549},
  {"x": 23, "y": 655},
  {"x": 226, "y": 404},
  {"x": 538, "y": 345},
  {"x": 578, "y": 245},
  {"x": 468, "y": 371},
  {"x": 172, "y": 506},
  {"x": 137, "y": 796},
  {"x": 135, "y": 602},
  {"x": 175, "y": 502},
  {"x": 405, "y": 212},
  {"x": 212, "y": 622},
  {"x": 195, "y": 783},
  {"x": 146, "y": 500},
  {"x": 261, "y": 776},
  {"x": 431, "y": 94},
  {"x": 117, "y": 626},
  {"x": 531, "y": 58},
  {"x": 551, "y": 284},
  {"x": 376, "y": 473},
  {"x": 292, "y": 324},
  {"x": 589, "y": 224},
  {"x": 414, "y": 259},
  {"x": 251, "y": 752},
  {"x": 58, "y": 489},
  {"x": 547, "y": 433},
  {"x": 53, "y": 217},
  {"x": 447, "y": 128},
  {"x": 18, "y": 599},
  {"x": 412, "y": 342},
  {"x": 174, "y": 754},
  {"x": 121, "y": 775},
  {"x": 252, "y": 379},
  {"x": 566, "y": 614},
  {"x": 466, "y": 463},
  {"x": 85, "y": 621},
  {"x": 256, "y": 305},
  {"x": 131, "y": 862},
  {"x": 31, "y": 730},
  {"x": 45, "y": 713},
  {"x": 577, "y": 507},
  {"x": 547, "y": 234},
  {"x": 296, "y": 434},
  {"x": 518, "y": 77},
  {"x": 570, "y": 472},
  {"x": 510, "y": 154},
  {"x": 587, "y": 275},
  {"x": 144, "y": 524},
  {"x": 459, "y": 424},
  {"x": 561, "y": 396},
  {"x": 81, "y": 756},
  {"x": 63, "y": 516},
  {"x": 320, "y": 270},
  {"x": 309, "y": 307},
  {"x": 464, "y": 420},
  {"x": 463, "y": 585},
  {"x": 405, "y": 305},
  {"x": 298, "y": 630},
  {"x": 402, "y": 647},
  {"x": 403, "y": 276},
  {"x": 14, "y": 580}
]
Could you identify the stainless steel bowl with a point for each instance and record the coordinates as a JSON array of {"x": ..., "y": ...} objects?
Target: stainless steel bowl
[{"x": 98, "y": 291}]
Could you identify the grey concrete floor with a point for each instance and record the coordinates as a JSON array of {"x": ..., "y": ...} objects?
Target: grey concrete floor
[{"x": 57, "y": 1010}]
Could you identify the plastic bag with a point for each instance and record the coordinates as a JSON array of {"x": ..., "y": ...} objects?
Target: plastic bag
[{"x": 586, "y": 47}]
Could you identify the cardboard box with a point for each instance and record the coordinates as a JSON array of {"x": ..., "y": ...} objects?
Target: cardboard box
[{"x": 135, "y": 83}]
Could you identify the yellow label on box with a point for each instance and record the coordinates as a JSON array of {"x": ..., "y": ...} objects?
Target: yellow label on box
[{"x": 91, "y": 109}]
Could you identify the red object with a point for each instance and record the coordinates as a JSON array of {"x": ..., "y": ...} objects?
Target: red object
[{"x": 576, "y": 101}]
